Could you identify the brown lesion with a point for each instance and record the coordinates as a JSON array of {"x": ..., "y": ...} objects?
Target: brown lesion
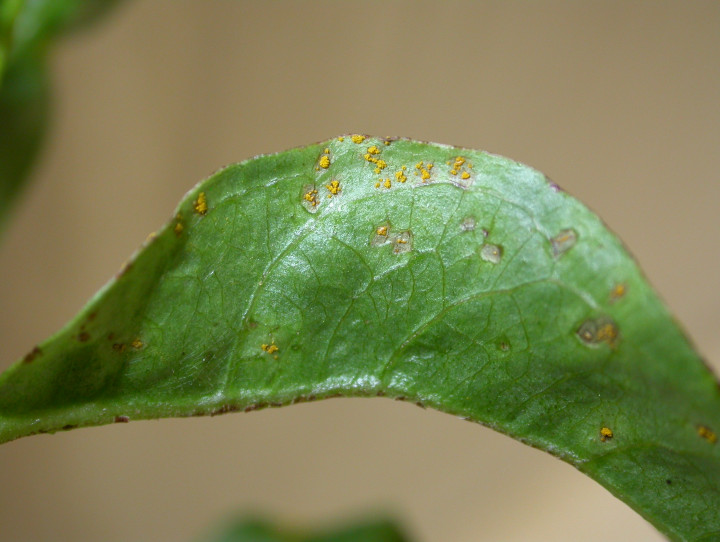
[
  {"x": 224, "y": 410},
  {"x": 125, "y": 269},
  {"x": 563, "y": 242},
  {"x": 384, "y": 234},
  {"x": 31, "y": 356},
  {"x": 595, "y": 331},
  {"x": 468, "y": 224},
  {"x": 402, "y": 242}
]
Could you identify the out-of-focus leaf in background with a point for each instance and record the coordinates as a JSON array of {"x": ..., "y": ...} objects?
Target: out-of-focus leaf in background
[
  {"x": 256, "y": 530},
  {"x": 27, "y": 30}
]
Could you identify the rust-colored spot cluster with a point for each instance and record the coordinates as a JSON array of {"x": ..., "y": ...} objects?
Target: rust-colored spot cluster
[
  {"x": 424, "y": 170},
  {"x": 311, "y": 197},
  {"x": 333, "y": 188},
  {"x": 200, "y": 204},
  {"x": 270, "y": 349},
  {"x": 606, "y": 434},
  {"x": 324, "y": 160},
  {"x": 400, "y": 175},
  {"x": 460, "y": 168},
  {"x": 401, "y": 241},
  {"x": 372, "y": 156},
  {"x": 708, "y": 434}
]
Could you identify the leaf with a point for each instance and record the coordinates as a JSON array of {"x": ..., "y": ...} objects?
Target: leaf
[
  {"x": 23, "y": 112},
  {"x": 262, "y": 531},
  {"x": 27, "y": 27},
  {"x": 452, "y": 278}
]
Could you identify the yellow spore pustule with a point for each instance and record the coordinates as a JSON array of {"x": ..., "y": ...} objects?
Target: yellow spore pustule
[
  {"x": 708, "y": 434},
  {"x": 200, "y": 204},
  {"x": 333, "y": 188},
  {"x": 311, "y": 197}
]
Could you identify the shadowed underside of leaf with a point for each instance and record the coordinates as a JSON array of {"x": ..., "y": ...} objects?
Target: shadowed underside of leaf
[{"x": 452, "y": 278}]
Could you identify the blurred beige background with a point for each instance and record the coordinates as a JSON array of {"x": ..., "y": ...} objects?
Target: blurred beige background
[{"x": 617, "y": 102}]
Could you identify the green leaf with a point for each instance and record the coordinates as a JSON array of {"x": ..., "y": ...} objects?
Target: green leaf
[
  {"x": 27, "y": 27},
  {"x": 23, "y": 118},
  {"x": 452, "y": 278},
  {"x": 263, "y": 531}
]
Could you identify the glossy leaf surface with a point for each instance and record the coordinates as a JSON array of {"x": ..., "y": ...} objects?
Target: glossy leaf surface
[{"x": 448, "y": 277}]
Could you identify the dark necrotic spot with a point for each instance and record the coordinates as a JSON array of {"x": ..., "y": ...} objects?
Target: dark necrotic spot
[
  {"x": 225, "y": 409},
  {"x": 32, "y": 355}
]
